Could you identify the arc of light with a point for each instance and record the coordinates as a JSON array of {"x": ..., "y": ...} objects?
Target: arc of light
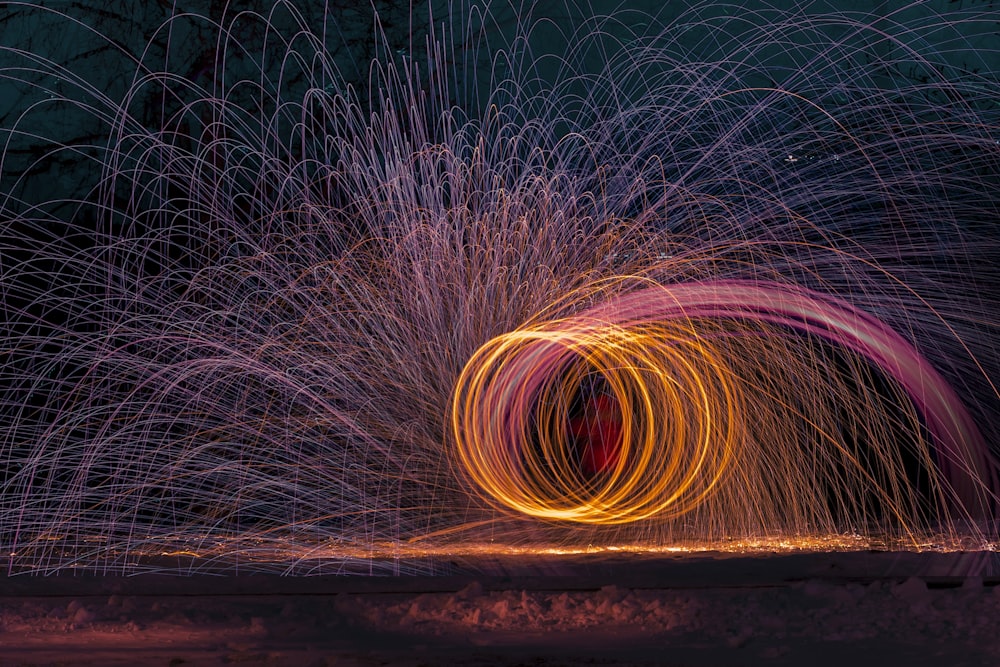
[{"x": 965, "y": 462}]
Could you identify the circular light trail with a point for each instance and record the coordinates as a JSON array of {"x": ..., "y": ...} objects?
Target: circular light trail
[{"x": 679, "y": 386}]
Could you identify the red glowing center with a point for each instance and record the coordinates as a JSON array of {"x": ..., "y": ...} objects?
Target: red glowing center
[{"x": 597, "y": 435}]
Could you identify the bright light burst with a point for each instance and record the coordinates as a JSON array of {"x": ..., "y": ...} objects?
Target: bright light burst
[{"x": 692, "y": 279}]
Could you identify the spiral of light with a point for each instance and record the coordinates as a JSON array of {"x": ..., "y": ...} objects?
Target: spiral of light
[
  {"x": 681, "y": 391},
  {"x": 679, "y": 416}
]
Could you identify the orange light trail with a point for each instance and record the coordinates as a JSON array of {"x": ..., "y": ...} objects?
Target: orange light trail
[
  {"x": 663, "y": 374},
  {"x": 684, "y": 364}
]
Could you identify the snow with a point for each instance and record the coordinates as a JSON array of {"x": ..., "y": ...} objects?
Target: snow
[{"x": 916, "y": 609}]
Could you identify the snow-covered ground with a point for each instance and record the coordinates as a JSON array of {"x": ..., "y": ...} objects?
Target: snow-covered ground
[{"x": 861, "y": 608}]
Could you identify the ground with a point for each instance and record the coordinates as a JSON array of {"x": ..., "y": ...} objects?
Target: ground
[{"x": 860, "y": 608}]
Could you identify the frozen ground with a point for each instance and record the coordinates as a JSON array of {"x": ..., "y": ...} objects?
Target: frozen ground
[{"x": 851, "y": 609}]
